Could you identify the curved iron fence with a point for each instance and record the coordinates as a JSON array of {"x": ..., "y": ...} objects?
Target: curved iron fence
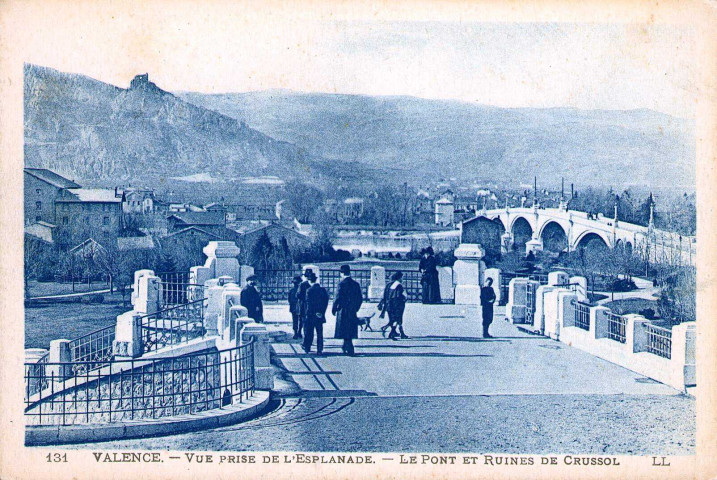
[
  {"x": 137, "y": 389},
  {"x": 173, "y": 325},
  {"x": 94, "y": 349}
]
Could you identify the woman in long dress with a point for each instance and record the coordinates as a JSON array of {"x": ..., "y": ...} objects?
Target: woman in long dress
[
  {"x": 394, "y": 302},
  {"x": 428, "y": 266}
]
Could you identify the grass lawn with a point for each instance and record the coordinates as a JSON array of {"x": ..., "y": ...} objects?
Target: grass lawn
[
  {"x": 631, "y": 305},
  {"x": 41, "y": 289},
  {"x": 69, "y": 320}
]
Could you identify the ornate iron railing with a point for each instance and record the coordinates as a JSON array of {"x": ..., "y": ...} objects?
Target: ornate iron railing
[
  {"x": 616, "y": 327},
  {"x": 38, "y": 375},
  {"x": 173, "y": 325},
  {"x": 94, "y": 349},
  {"x": 138, "y": 389},
  {"x": 659, "y": 340},
  {"x": 582, "y": 315},
  {"x": 175, "y": 289},
  {"x": 530, "y": 303}
]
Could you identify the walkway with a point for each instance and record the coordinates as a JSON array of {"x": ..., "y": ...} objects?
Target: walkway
[{"x": 448, "y": 390}]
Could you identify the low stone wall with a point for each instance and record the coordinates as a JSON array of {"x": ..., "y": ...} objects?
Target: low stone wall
[{"x": 631, "y": 341}]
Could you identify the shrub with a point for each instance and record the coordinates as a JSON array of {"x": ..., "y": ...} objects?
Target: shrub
[{"x": 623, "y": 285}]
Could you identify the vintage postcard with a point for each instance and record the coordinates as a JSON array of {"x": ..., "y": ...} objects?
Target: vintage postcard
[{"x": 358, "y": 240}]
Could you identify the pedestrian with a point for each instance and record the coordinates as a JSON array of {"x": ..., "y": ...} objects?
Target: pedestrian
[
  {"x": 317, "y": 301},
  {"x": 251, "y": 299},
  {"x": 346, "y": 306},
  {"x": 394, "y": 302},
  {"x": 487, "y": 299},
  {"x": 295, "y": 306},
  {"x": 428, "y": 266},
  {"x": 301, "y": 296}
]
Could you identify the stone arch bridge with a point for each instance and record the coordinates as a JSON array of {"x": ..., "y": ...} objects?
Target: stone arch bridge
[{"x": 558, "y": 229}]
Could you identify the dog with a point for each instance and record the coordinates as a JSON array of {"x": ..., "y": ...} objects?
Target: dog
[{"x": 365, "y": 322}]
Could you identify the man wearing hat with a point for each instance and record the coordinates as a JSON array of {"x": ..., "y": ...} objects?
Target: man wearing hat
[
  {"x": 346, "y": 305},
  {"x": 251, "y": 299},
  {"x": 317, "y": 301},
  {"x": 301, "y": 297},
  {"x": 295, "y": 306}
]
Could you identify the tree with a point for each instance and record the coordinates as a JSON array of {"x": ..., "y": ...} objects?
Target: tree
[{"x": 303, "y": 200}]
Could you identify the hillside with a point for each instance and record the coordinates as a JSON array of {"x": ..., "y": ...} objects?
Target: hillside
[
  {"x": 430, "y": 139},
  {"x": 98, "y": 134}
]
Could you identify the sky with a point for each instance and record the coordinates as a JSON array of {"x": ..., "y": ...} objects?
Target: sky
[{"x": 582, "y": 65}]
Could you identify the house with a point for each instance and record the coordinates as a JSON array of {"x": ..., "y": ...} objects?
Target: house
[
  {"x": 443, "y": 210},
  {"x": 72, "y": 213},
  {"x": 135, "y": 243},
  {"x": 42, "y": 230},
  {"x": 82, "y": 213},
  {"x": 138, "y": 201},
  {"x": 42, "y": 187},
  {"x": 277, "y": 234},
  {"x": 210, "y": 222}
]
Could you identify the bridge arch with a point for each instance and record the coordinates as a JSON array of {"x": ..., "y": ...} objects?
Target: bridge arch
[
  {"x": 554, "y": 236},
  {"x": 590, "y": 239},
  {"x": 522, "y": 232}
]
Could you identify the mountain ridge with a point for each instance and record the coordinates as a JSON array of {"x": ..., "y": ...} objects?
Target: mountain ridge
[
  {"x": 101, "y": 133},
  {"x": 488, "y": 143}
]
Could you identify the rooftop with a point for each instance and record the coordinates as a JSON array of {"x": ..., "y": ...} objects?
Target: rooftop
[
  {"x": 200, "y": 218},
  {"x": 51, "y": 177},
  {"x": 98, "y": 195}
]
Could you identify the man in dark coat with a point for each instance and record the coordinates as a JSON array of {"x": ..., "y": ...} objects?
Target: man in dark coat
[
  {"x": 301, "y": 295},
  {"x": 295, "y": 307},
  {"x": 487, "y": 299},
  {"x": 251, "y": 299},
  {"x": 346, "y": 305},
  {"x": 317, "y": 301}
]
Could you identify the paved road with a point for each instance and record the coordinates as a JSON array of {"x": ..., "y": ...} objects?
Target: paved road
[{"x": 446, "y": 389}]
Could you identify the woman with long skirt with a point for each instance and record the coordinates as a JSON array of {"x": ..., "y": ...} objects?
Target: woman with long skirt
[
  {"x": 394, "y": 302},
  {"x": 428, "y": 267}
]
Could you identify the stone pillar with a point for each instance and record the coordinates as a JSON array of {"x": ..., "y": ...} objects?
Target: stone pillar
[
  {"x": 558, "y": 278},
  {"x": 551, "y": 313},
  {"x": 535, "y": 245},
  {"x": 506, "y": 243},
  {"x": 222, "y": 259},
  {"x": 245, "y": 271},
  {"x": 468, "y": 273},
  {"x": 230, "y": 298},
  {"x": 199, "y": 275},
  {"x": 494, "y": 273},
  {"x": 599, "y": 321},
  {"x": 568, "y": 309},
  {"x": 59, "y": 353},
  {"x": 517, "y": 298},
  {"x": 128, "y": 336},
  {"x": 149, "y": 296},
  {"x": 213, "y": 307},
  {"x": 635, "y": 332},
  {"x": 264, "y": 376},
  {"x": 378, "y": 283},
  {"x": 135, "y": 285},
  {"x": 539, "y": 317},
  {"x": 683, "y": 354},
  {"x": 445, "y": 283}
]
